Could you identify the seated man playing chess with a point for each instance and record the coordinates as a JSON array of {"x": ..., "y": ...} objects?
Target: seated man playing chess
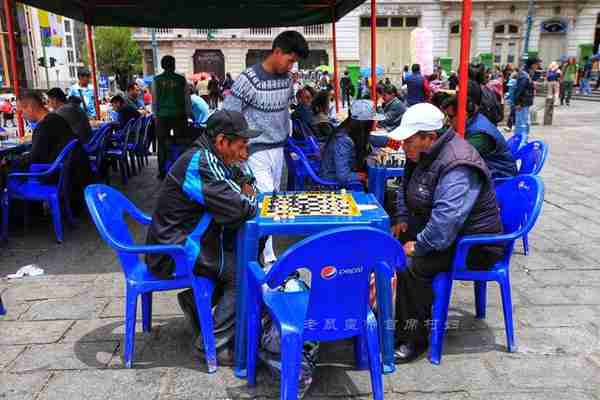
[
  {"x": 209, "y": 177},
  {"x": 447, "y": 192}
]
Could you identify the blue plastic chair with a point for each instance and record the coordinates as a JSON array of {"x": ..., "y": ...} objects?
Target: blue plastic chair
[
  {"x": 2, "y": 309},
  {"x": 520, "y": 200},
  {"x": 31, "y": 186},
  {"x": 337, "y": 305},
  {"x": 300, "y": 168},
  {"x": 530, "y": 159},
  {"x": 108, "y": 207},
  {"x": 95, "y": 147},
  {"x": 117, "y": 151},
  {"x": 515, "y": 142}
]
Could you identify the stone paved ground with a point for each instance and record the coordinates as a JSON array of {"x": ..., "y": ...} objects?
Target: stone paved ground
[{"x": 62, "y": 337}]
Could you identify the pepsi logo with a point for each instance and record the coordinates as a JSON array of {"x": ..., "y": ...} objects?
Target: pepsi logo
[{"x": 328, "y": 272}]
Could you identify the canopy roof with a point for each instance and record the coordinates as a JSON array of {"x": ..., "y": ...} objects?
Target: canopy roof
[{"x": 199, "y": 13}]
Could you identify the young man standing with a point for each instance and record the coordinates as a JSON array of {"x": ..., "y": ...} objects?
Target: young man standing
[
  {"x": 85, "y": 92},
  {"x": 345, "y": 84},
  {"x": 171, "y": 106},
  {"x": 263, "y": 93},
  {"x": 524, "y": 95}
]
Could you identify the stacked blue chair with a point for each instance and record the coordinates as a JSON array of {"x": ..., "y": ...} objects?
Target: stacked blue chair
[
  {"x": 515, "y": 142},
  {"x": 33, "y": 186},
  {"x": 95, "y": 148},
  {"x": 530, "y": 160},
  {"x": 520, "y": 200},
  {"x": 117, "y": 151},
  {"x": 108, "y": 209},
  {"x": 326, "y": 312},
  {"x": 300, "y": 170}
]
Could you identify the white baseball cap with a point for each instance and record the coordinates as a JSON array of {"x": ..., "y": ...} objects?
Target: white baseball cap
[{"x": 422, "y": 117}]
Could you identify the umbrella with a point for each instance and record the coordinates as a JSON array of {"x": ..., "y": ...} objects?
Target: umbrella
[
  {"x": 198, "y": 76},
  {"x": 365, "y": 72},
  {"x": 148, "y": 80},
  {"x": 324, "y": 68}
]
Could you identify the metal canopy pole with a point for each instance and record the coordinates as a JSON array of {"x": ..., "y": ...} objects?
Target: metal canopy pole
[
  {"x": 336, "y": 76},
  {"x": 463, "y": 74},
  {"x": 92, "y": 60},
  {"x": 10, "y": 27},
  {"x": 374, "y": 51}
]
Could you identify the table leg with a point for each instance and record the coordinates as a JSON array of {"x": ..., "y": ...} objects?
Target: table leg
[{"x": 246, "y": 250}]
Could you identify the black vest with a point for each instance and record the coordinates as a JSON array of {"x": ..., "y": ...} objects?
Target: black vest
[{"x": 420, "y": 180}]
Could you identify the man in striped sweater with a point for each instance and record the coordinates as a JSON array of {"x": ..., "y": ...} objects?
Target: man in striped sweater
[{"x": 263, "y": 94}]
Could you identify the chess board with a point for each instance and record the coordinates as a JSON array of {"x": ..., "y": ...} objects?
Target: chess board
[
  {"x": 289, "y": 205},
  {"x": 390, "y": 159}
]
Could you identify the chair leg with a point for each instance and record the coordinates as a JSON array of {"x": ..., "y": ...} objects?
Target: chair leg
[
  {"x": 124, "y": 171},
  {"x": 203, "y": 299},
  {"x": 361, "y": 352},
  {"x": 480, "y": 299},
  {"x": 291, "y": 358},
  {"x": 253, "y": 335},
  {"x": 130, "y": 318},
  {"x": 5, "y": 200},
  {"x": 374, "y": 359},
  {"x": 442, "y": 289},
  {"x": 507, "y": 311},
  {"x": 147, "y": 312},
  {"x": 56, "y": 217},
  {"x": 525, "y": 244}
]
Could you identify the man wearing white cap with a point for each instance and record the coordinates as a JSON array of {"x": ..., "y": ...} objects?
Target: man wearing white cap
[{"x": 447, "y": 192}]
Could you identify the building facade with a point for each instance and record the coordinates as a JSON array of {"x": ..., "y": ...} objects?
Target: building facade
[
  {"x": 59, "y": 51},
  {"x": 227, "y": 50},
  {"x": 559, "y": 29}
]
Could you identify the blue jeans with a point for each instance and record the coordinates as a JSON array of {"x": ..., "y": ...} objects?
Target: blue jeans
[
  {"x": 522, "y": 121},
  {"x": 585, "y": 87}
]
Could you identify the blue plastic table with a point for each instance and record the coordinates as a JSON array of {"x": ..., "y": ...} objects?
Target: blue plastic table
[
  {"x": 378, "y": 177},
  {"x": 247, "y": 250}
]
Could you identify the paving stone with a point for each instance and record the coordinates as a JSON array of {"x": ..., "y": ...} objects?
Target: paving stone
[
  {"x": 563, "y": 296},
  {"x": 455, "y": 373},
  {"x": 558, "y": 316},
  {"x": 106, "y": 329},
  {"x": 534, "y": 395},
  {"x": 83, "y": 307},
  {"x": 42, "y": 288},
  {"x": 14, "y": 310},
  {"x": 39, "y": 332},
  {"x": 162, "y": 304},
  {"x": 567, "y": 278},
  {"x": 186, "y": 383},
  {"x": 550, "y": 372},
  {"x": 65, "y": 356},
  {"x": 8, "y": 354},
  {"x": 103, "y": 384},
  {"x": 22, "y": 386}
]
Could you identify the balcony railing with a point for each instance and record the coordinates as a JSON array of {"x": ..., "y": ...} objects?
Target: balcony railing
[
  {"x": 311, "y": 32},
  {"x": 260, "y": 32}
]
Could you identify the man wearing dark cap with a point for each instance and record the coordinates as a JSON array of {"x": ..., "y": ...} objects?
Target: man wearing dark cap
[
  {"x": 85, "y": 92},
  {"x": 71, "y": 112},
  {"x": 209, "y": 180}
]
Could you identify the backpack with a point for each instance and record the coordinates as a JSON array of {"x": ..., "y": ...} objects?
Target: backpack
[{"x": 491, "y": 106}]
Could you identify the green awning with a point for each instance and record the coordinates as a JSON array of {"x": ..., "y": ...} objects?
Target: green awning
[{"x": 199, "y": 13}]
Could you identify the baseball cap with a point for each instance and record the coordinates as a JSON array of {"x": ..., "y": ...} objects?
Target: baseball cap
[
  {"x": 363, "y": 110},
  {"x": 229, "y": 123},
  {"x": 422, "y": 117}
]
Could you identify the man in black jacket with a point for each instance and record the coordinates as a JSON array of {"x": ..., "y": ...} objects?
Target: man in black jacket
[
  {"x": 393, "y": 107},
  {"x": 209, "y": 180}
]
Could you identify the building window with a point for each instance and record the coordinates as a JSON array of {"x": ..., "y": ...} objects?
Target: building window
[
  {"x": 513, "y": 29},
  {"x": 498, "y": 53},
  {"x": 70, "y": 56},
  {"x": 455, "y": 28},
  {"x": 69, "y": 41},
  {"x": 510, "y": 58},
  {"x": 72, "y": 72},
  {"x": 381, "y": 22},
  {"x": 499, "y": 29},
  {"x": 67, "y": 25},
  {"x": 365, "y": 22},
  {"x": 396, "y": 22},
  {"x": 412, "y": 22}
]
